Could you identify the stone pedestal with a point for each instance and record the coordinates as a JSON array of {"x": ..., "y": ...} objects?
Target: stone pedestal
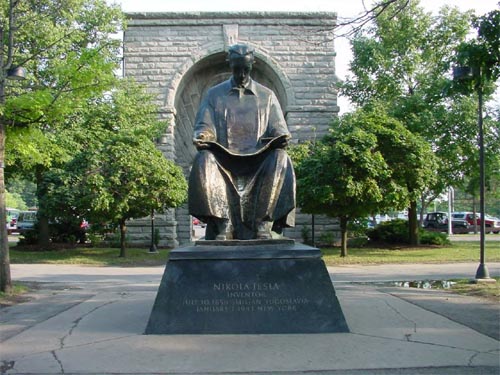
[{"x": 246, "y": 287}]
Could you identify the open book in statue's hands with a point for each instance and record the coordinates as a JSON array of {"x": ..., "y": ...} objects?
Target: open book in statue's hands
[{"x": 263, "y": 145}]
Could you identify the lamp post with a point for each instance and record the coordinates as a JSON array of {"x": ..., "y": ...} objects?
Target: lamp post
[
  {"x": 152, "y": 248},
  {"x": 468, "y": 73},
  {"x": 162, "y": 140}
]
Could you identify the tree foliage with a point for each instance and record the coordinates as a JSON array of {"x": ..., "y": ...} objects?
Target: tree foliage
[
  {"x": 405, "y": 61},
  {"x": 72, "y": 60},
  {"x": 68, "y": 50},
  {"x": 480, "y": 56},
  {"x": 70, "y": 53},
  {"x": 116, "y": 172},
  {"x": 14, "y": 200},
  {"x": 368, "y": 163},
  {"x": 483, "y": 52}
]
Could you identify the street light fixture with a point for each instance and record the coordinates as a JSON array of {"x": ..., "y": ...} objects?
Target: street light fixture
[
  {"x": 18, "y": 73},
  {"x": 462, "y": 73}
]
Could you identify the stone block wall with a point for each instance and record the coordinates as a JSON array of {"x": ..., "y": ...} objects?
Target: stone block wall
[{"x": 178, "y": 56}]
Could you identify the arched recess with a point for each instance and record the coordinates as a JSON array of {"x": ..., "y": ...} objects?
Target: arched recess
[{"x": 204, "y": 74}]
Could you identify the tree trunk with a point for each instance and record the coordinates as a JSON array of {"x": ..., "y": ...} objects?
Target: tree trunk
[
  {"x": 5, "y": 277},
  {"x": 343, "y": 235},
  {"x": 423, "y": 207},
  {"x": 42, "y": 218},
  {"x": 413, "y": 224},
  {"x": 43, "y": 230},
  {"x": 123, "y": 233}
]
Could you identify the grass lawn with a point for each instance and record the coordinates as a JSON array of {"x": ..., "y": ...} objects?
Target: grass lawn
[
  {"x": 91, "y": 256},
  {"x": 486, "y": 290},
  {"x": 456, "y": 252}
]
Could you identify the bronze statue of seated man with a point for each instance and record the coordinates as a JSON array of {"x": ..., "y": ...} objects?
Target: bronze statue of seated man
[{"x": 242, "y": 182}]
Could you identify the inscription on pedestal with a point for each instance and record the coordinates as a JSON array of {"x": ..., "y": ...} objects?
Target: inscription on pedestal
[{"x": 245, "y": 297}]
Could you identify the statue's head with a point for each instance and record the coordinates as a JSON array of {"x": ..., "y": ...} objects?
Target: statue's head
[{"x": 241, "y": 59}]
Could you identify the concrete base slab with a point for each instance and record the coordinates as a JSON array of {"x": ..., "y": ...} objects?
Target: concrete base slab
[
  {"x": 98, "y": 314},
  {"x": 103, "y": 335}
]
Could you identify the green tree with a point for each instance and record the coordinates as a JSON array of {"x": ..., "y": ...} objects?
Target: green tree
[
  {"x": 74, "y": 59},
  {"x": 116, "y": 173},
  {"x": 129, "y": 180},
  {"x": 481, "y": 57},
  {"x": 25, "y": 189},
  {"x": 70, "y": 55},
  {"x": 405, "y": 61},
  {"x": 361, "y": 168},
  {"x": 14, "y": 200}
]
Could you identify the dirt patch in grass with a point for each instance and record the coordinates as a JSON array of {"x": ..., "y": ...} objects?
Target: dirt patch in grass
[
  {"x": 490, "y": 291},
  {"x": 20, "y": 293}
]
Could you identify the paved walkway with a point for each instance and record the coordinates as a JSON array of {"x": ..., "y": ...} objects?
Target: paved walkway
[{"x": 90, "y": 320}]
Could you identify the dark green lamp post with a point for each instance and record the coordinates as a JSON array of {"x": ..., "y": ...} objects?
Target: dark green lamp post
[
  {"x": 462, "y": 73},
  {"x": 162, "y": 140},
  {"x": 152, "y": 248}
]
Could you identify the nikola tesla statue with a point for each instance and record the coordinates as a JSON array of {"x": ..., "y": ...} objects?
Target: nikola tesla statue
[{"x": 242, "y": 182}]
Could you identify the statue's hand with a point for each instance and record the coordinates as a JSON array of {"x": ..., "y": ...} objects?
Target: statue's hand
[
  {"x": 276, "y": 142},
  {"x": 200, "y": 140},
  {"x": 280, "y": 143},
  {"x": 200, "y": 145}
]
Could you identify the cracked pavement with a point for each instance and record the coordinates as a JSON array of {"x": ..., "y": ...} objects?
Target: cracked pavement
[{"x": 96, "y": 325}]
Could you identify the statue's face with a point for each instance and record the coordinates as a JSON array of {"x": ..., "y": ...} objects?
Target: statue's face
[{"x": 241, "y": 69}]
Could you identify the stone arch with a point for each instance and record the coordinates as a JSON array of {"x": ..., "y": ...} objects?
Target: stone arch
[{"x": 199, "y": 76}]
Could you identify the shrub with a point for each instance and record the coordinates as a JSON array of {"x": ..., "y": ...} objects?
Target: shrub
[
  {"x": 357, "y": 242},
  {"x": 96, "y": 239},
  {"x": 394, "y": 231},
  {"x": 67, "y": 231},
  {"x": 29, "y": 237},
  {"x": 306, "y": 235},
  {"x": 327, "y": 239},
  {"x": 433, "y": 238},
  {"x": 397, "y": 232}
]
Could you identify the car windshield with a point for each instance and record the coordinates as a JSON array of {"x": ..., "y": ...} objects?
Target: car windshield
[{"x": 27, "y": 216}]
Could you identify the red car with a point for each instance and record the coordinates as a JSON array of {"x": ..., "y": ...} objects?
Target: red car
[{"x": 492, "y": 224}]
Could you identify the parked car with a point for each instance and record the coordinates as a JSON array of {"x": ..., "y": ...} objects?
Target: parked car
[
  {"x": 11, "y": 220},
  {"x": 495, "y": 226},
  {"x": 438, "y": 221},
  {"x": 26, "y": 221},
  {"x": 491, "y": 224},
  {"x": 198, "y": 222}
]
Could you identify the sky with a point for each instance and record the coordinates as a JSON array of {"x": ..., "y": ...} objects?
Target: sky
[{"x": 343, "y": 8}]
